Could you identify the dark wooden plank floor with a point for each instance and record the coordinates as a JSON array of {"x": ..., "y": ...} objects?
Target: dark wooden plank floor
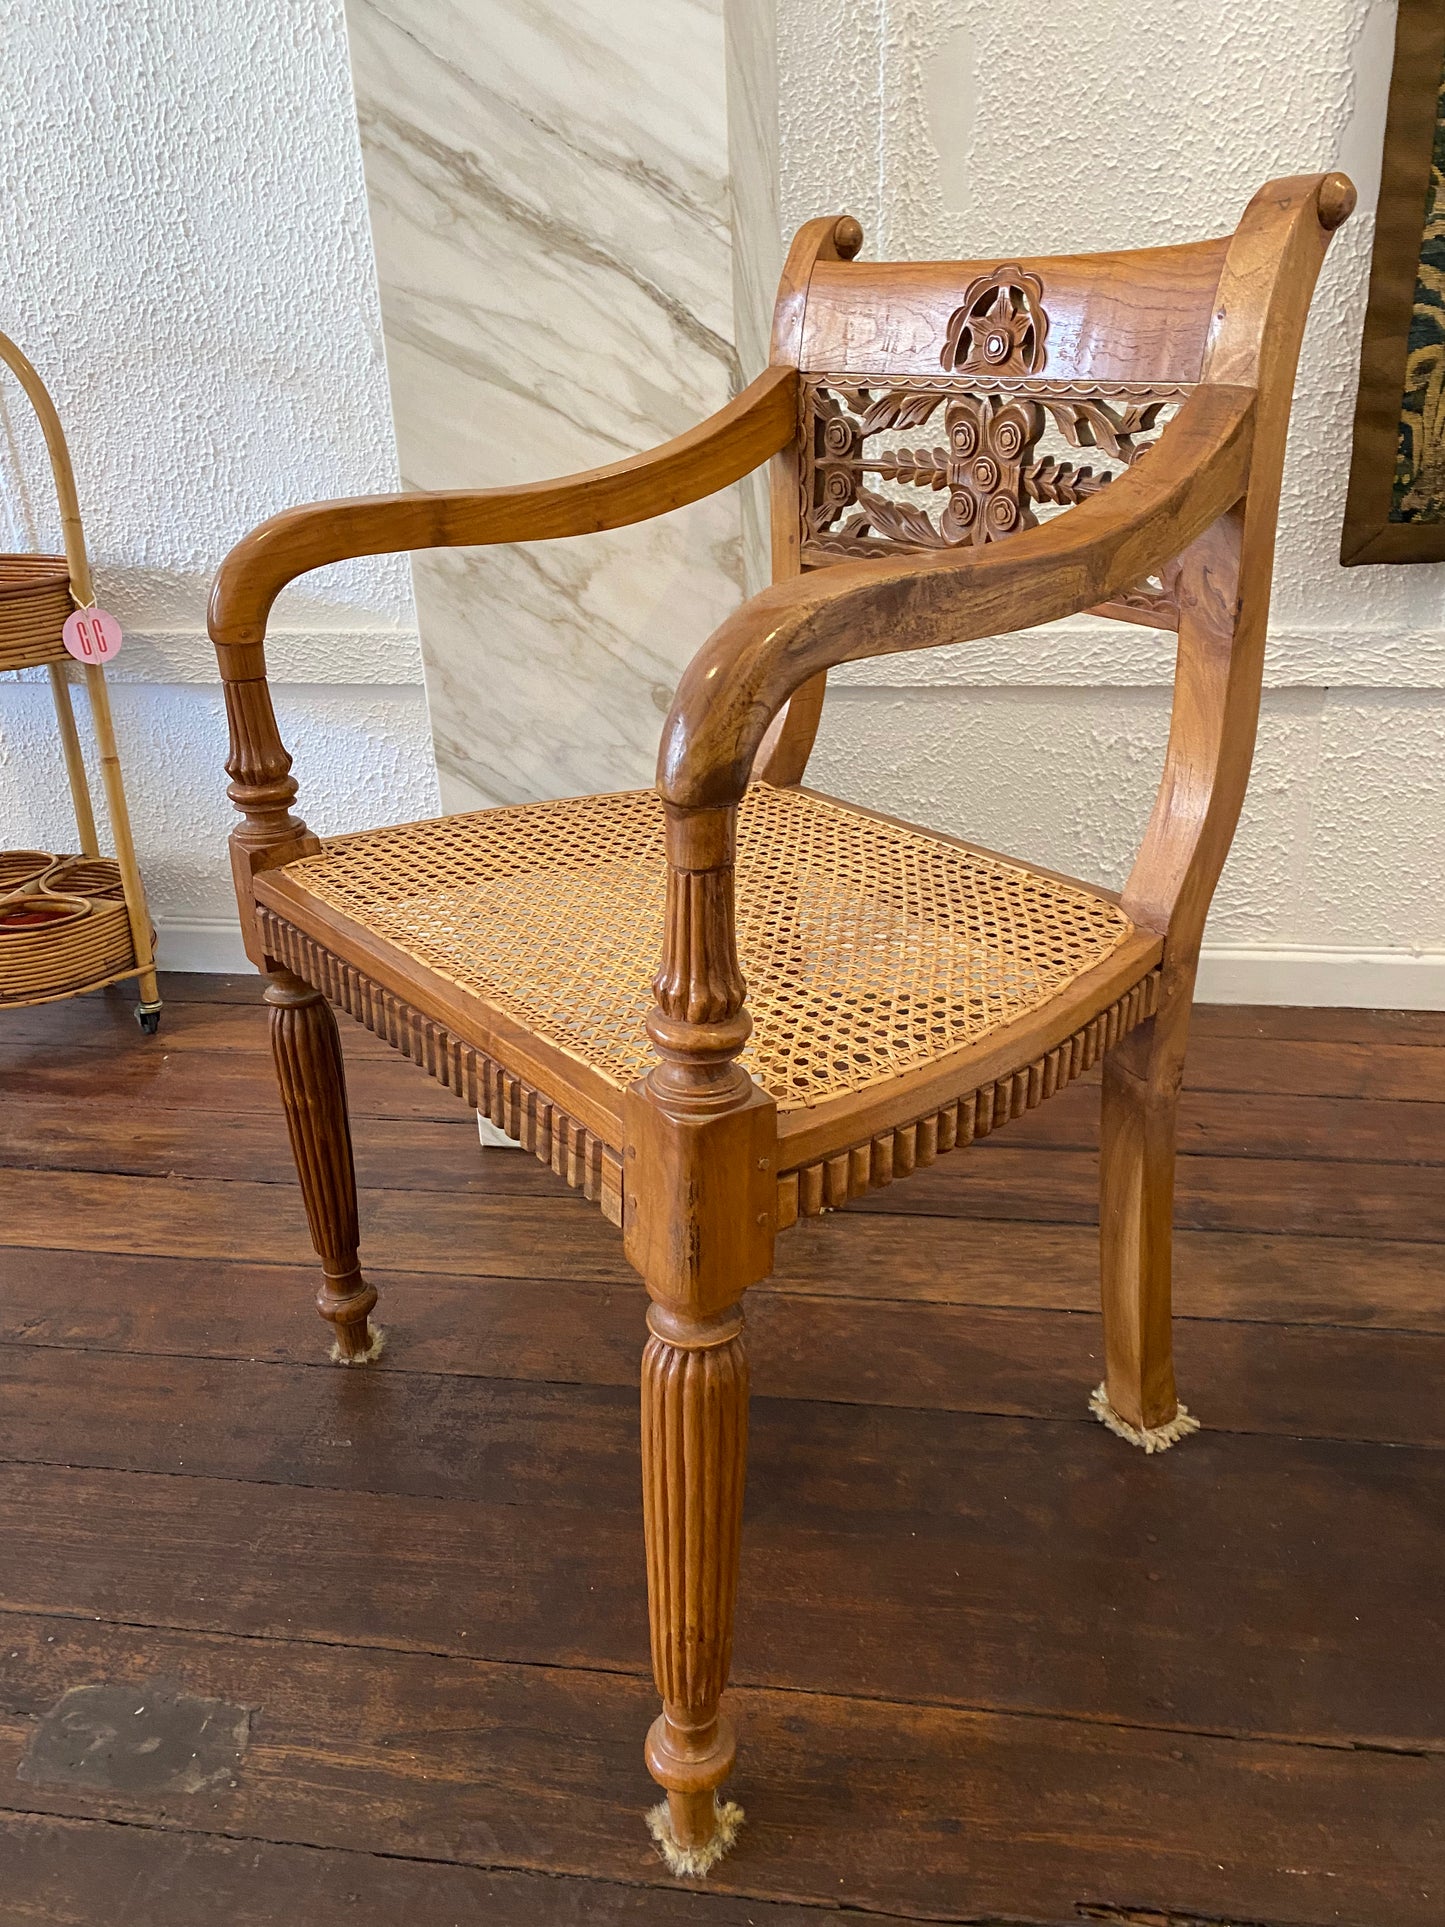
[{"x": 991, "y": 1664}]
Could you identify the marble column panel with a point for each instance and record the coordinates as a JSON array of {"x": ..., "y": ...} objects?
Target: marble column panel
[{"x": 551, "y": 206}]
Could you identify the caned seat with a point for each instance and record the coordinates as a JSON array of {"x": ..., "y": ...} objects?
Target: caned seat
[
  {"x": 730, "y": 1002},
  {"x": 874, "y": 948}
]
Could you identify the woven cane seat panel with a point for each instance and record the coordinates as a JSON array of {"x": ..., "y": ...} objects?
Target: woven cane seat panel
[{"x": 869, "y": 948}]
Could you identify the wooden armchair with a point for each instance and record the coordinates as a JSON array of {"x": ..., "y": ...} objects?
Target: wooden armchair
[{"x": 841, "y": 997}]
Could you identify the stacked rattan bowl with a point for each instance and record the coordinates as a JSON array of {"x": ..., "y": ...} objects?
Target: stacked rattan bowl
[
  {"x": 64, "y": 925},
  {"x": 34, "y": 602}
]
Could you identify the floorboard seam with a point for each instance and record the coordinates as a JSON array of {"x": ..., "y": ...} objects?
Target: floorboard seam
[
  {"x": 761, "y": 1896},
  {"x": 1233, "y": 1737},
  {"x": 582, "y": 1208},
  {"x": 1009, "y": 1416}
]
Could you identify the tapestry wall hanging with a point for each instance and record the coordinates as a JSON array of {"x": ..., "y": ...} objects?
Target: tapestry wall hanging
[{"x": 1395, "y": 511}]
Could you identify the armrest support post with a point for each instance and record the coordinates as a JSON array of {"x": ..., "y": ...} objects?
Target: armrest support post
[
  {"x": 263, "y": 790},
  {"x": 701, "y": 1189},
  {"x": 699, "y": 1022}
]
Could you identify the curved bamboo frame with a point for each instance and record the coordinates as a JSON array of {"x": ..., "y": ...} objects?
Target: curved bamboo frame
[{"x": 82, "y": 593}]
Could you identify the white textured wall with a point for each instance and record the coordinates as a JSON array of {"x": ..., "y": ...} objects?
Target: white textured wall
[
  {"x": 950, "y": 130},
  {"x": 186, "y": 258},
  {"x": 186, "y": 255}
]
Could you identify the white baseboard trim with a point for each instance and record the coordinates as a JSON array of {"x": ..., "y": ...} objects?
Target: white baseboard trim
[
  {"x": 1228, "y": 973},
  {"x": 1322, "y": 974},
  {"x": 209, "y": 945}
]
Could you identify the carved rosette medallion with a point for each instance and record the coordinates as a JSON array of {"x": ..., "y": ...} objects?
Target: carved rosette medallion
[
  {"x": 1000, "y": 328},
  {"x": 866, "y": 492}
]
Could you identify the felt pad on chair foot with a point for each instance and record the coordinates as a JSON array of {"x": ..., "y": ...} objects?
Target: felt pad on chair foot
[
  {"x": 1151, "y": 1438},
  {"x": 694, "y": 1862},
  {"x": 368, "y": 1357}
]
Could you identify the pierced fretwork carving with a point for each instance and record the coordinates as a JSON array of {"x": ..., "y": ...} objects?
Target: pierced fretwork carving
[
  {"x": 1000, "y": 328},
  {"x": 862, "y": 484},
  {"x": 866, "y": 493}
]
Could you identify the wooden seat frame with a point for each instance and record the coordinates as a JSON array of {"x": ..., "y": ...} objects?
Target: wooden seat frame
[{"x": 694, "y": 1160}]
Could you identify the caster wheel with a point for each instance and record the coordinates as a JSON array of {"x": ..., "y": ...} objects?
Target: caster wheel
[{"x": 149, "y": 1020}]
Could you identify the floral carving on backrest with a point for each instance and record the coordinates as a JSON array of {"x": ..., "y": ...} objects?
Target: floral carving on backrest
[
  {"x": 1000, "y": 326},
  {"x": 870, "y": 490},
  {"x": 989, "y": 439}
]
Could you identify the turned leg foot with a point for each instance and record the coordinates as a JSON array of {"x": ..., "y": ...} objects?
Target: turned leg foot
[
  {"x": 309, "y": 1070},
  {"x": 1137, "y": 1399},
  {"x": 692, "y": 1818},
  {"x": 347, "y": 1304},
  {"x": 694, "y": 1454}
]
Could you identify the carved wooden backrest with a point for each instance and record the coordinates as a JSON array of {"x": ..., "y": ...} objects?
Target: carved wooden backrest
[{"x": 956, "y": 403}]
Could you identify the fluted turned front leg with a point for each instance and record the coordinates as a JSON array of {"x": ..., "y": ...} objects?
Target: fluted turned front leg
[
  {"x": 700, "y": 1211},
  {"x": 694, "y": 1462},
  {"x": 309, "y": 1069}
]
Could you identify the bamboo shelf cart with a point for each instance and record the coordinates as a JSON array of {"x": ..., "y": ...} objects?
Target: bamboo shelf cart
[{"x": 68, "y": 923}]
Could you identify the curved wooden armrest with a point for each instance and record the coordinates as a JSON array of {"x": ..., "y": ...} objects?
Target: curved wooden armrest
[
  {"x": 749, "y": 666},
  {"x": 719, "y": 451}
]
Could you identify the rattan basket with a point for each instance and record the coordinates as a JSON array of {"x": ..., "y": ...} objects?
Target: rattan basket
[
  {"x": 68, "y": 923},
  {"x": 63, "y": 930},
  {"x": 23, "y": 869},
  {"x": 96, "y": 877},
  {"x": 34, "y": 603},
  {"x": 40, "y": 962}
]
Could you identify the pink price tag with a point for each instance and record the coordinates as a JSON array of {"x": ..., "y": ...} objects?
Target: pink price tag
[{"x": 91, "y": 635}]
